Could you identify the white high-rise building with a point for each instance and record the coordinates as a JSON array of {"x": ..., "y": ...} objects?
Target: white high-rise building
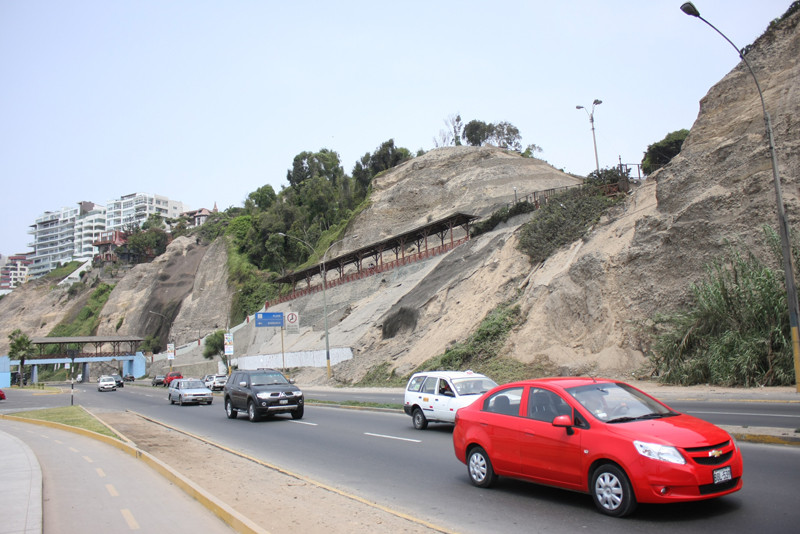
[
  {"x": 53, "y": 238},
  {"x": 88, "y": 226},
  {"x": 62, "y": 236},
  {"x": 137, "y": 207}
]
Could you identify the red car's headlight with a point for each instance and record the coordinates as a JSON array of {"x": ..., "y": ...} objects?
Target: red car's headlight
[{"x": 654, "y": 451}]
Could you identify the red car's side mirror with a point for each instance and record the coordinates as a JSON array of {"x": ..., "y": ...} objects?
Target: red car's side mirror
[{"x": 563, "y": 420}]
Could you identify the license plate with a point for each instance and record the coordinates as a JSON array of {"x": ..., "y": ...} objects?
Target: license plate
[
  {"x": 285, "y": 401},
  {"x": 722, "y": 475}
]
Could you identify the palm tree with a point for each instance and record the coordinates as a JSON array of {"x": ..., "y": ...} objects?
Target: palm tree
[{"x": 21, "y": 347}]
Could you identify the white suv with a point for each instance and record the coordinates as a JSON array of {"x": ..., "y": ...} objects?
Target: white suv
[{"x": 437, "y": 395}]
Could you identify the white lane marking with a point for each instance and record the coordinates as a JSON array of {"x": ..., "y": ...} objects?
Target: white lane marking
[
  {"x": 740, "y": 413},
  {"x": 304, "y": 423},
  {"x": 392, "y": 437}
]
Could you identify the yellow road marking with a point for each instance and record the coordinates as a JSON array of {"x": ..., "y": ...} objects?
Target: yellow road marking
[
  {"x": 112, "y": 490},
  {"x": 100, "y": 473},
  {"x": 128, "y": 516},
  {"x": 88, "y": 459}
]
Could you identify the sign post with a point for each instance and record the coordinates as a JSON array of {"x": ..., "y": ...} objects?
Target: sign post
[
  {"x": 275, "y": 320},
  {"x": 72, "y": 353},
  {"x": 292, "y": 322}
]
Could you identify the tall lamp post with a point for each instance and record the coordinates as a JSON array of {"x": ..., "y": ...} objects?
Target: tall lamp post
[
  {"x": 324, "y": 296},
  {"x": 783, "y": 223},
  {"x": 594, "y": 139}
]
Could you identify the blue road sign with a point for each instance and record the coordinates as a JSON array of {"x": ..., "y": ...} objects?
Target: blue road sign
[{"x": 269, "y": 319}]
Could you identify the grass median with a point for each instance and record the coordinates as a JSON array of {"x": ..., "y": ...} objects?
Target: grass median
[{"x": 75, "y": 416}]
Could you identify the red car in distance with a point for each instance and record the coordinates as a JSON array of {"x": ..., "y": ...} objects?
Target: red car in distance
[
  {"x": 595, "y": 436},
  {"x": 172, "y": 375}
]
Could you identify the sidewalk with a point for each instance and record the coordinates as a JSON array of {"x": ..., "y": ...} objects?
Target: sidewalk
[
  {"x": 60, "y": 481},
  {"x": 21, "y": 490}
]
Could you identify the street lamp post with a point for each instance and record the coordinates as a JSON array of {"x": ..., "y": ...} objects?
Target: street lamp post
[
  {"x": 594, "y": 139},
  {"x": 324, "y": 296},
  {"x": 783, "y": 223}
]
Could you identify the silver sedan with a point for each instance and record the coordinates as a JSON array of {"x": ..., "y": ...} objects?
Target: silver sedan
[{"x": 189, "y": 390}]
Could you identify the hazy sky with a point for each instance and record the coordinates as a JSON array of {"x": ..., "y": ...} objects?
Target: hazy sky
[{"x": 205, "y": 101}]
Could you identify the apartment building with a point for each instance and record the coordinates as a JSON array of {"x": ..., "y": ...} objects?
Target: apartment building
[
  {"x": 53, "y": 240},
  {"x": 69, "y": 234},
  {"x": 137, "y": 207},
  {"x": 91, "y": 222},
  {"x": 14, "y": 271}
]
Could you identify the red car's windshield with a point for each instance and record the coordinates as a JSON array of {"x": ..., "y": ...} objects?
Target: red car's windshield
[{"x": 617, "y": 403}]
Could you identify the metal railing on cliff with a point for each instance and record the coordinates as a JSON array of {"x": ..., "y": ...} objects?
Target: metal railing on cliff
[{"x": 372, "y": 270}]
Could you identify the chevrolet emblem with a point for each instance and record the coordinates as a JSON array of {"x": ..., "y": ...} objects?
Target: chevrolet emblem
[{"x": 715, "y": 453}]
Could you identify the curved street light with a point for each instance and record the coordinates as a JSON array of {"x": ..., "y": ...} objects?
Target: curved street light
[
  {"x": 783, "y": 223},
  {"x": 596, "y": 102},
  {"x": 324, "y": 296}
]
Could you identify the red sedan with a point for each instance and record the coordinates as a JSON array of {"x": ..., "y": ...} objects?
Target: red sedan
[{"x": 595, "y": 436}]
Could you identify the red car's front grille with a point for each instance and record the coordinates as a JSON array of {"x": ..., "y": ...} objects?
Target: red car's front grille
[
  {"x": 713, "y": 460},
  {"x": 713, "y": 455}
]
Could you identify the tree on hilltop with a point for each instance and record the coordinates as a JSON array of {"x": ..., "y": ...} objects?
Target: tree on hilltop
[{"x": 660, "y": 153}]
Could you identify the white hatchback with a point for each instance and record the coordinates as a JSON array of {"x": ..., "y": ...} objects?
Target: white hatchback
[{"x": 436, "y": 396}]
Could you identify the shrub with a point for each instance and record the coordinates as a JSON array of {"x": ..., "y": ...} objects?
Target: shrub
[{"x": 735, "y": 331}]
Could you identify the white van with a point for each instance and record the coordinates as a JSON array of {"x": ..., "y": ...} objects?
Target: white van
[{"x": 436, "y": 396}]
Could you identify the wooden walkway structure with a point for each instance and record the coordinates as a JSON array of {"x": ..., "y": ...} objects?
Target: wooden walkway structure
[{"x": 443, "y": 229}]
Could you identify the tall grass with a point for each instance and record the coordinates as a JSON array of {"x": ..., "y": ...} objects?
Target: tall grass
[{"x": 735, "y": 331}]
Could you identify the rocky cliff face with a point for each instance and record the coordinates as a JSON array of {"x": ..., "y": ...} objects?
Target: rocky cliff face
[
  {"x": 35, "y": 308},
  {"x": 186, "y": 287}
]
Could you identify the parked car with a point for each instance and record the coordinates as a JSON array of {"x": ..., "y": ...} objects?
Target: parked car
[
  {"x": 106, "y": 383},
  {"x": 2, "y": 395},
  {"x": 186, "y": 390},
  {"x": 436, "y": 396},
  {"x": 15, "y": 375},
  {"x": 172, "y": 375},
  {"x": 216, "y": 382},
  {"x": 262, "y": 392},
  {"x": 128, "y": 378},
  {"x": 158, "y": 380},
  {"x": 595, "y": 436}
]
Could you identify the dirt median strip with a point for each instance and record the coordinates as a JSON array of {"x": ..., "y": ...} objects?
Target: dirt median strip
[{"x": 267, "y": 495}]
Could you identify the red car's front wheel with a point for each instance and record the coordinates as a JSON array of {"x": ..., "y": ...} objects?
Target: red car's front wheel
[{"x": 612, "y": 491}]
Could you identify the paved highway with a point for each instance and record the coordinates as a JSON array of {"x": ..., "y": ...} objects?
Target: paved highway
[{"x": 379, "y": 456}]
